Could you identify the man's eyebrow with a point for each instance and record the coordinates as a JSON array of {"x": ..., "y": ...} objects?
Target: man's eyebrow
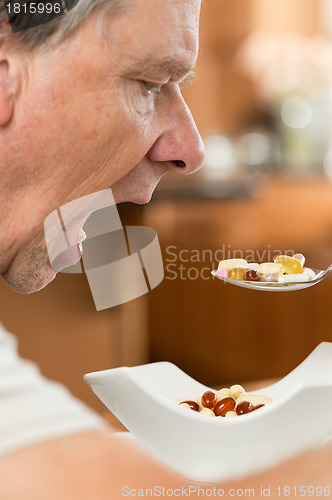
[{"x": 170, "y": 67}]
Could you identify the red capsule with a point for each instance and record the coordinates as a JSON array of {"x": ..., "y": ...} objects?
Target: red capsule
[
  {"x": 257, "y": 406},
  {"x": 193, "y": 405},
  {"x": 209, "y": 399},
  {"x": 244, "y": 407},
  {"x": 223, "y": 406},
  {"x": 251, "y": 275}
]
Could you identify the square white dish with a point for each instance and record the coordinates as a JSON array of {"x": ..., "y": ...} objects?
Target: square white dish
[{"x": 208, "y": 449}]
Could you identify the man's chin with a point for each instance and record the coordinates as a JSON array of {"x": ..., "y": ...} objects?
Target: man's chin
[
  {"x": 141, "y": 199},
  {"x": 30, "y": 281}
]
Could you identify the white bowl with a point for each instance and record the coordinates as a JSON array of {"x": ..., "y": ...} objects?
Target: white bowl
[{"x": 211, "y": 449}]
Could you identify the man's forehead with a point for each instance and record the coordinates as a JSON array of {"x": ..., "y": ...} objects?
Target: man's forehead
[{"x": 147, "y": 48}]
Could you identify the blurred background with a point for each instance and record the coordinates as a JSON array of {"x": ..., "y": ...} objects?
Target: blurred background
[{"x": 262, "y": 101}]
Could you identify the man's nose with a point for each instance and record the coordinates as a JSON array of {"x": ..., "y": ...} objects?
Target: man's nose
[{"x": 180, "y": 143}]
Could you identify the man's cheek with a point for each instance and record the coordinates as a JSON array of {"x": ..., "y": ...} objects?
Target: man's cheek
[
  {"x": 139, "y": 105},
  {"x": 147, "y": 130}
]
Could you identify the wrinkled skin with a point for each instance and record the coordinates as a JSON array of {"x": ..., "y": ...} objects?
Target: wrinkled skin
[{"x": 96, "y": 112}]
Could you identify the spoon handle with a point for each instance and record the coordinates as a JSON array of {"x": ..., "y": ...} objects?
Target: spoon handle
[{"x": 328, "y": 270}]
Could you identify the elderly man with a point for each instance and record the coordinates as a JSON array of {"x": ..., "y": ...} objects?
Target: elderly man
[{"x": 88, "y": 101}]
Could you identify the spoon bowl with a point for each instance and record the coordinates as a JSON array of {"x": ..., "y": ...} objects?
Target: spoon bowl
[{"x": 275, "y": 286}]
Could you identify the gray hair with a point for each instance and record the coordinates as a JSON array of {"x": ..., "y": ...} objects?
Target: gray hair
[{"x": 56, "y": 30}]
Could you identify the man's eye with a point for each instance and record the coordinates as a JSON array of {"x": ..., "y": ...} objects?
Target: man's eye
[{"x": 151, "y": 88}]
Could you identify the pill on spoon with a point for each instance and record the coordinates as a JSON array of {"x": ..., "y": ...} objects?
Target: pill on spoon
[
  {"x": 294, "y": 278},
  {"x": 236, "y": 274},
  {"x": 229, "y": 264},
  {"x": 251, "y": 275},
  {"x": 300, "y": 257},
  {"x": 289, "y": 264},
  {"x": 223, "y": 273},
  {"x": 309, "y": 271},
  {"x": 269, "y": 278},
  {"x": 252, "y": 265},
  {"x": 270, "y": 268}
]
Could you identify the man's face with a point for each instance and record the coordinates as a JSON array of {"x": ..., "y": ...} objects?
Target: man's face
[{"x": 97, "y": 112}]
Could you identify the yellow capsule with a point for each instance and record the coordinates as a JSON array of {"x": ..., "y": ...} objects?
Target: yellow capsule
[
  {"x": 289, "y": 264},
  {"x": 237, "y": 273}
]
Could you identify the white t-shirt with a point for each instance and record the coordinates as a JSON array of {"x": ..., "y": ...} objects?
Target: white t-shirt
[{"x": 32, "y": 408}]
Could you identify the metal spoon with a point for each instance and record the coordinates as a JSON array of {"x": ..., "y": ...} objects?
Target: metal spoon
[{"x": 275, "y": 286}]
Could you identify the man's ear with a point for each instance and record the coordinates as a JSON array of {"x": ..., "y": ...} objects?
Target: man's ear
[{"x": 9, "y": 86}]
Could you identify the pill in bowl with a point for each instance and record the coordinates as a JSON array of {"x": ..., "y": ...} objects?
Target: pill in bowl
[{"x": 227, "y": 402}]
